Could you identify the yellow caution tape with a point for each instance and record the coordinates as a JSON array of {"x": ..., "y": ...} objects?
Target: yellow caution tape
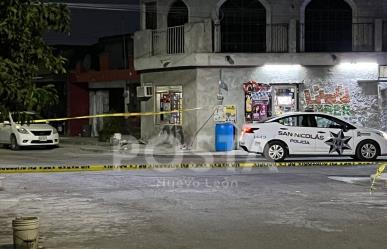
[
  {"x": 378, "y": 173},
  {"x": 80, "y": 168},
  {"x": 124, "y": 114}
]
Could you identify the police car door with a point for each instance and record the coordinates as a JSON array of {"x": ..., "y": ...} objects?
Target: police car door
[
  {"x": 336, "y": 136},
  {"x": 294, "y": 132}
]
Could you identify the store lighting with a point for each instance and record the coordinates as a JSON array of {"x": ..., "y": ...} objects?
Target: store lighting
[
  {"x": 281, "y": 66},
  {"x": 358, "y": 65}
]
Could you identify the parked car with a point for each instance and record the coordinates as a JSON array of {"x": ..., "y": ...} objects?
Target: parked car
[
  {"x": 310, "y": 133},
  {"x": 17, "y": 134}
]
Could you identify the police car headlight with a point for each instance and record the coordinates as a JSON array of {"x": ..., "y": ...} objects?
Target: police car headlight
[
  {"x": 382, "y": 134},
  {"x": 22, "y": 130}
]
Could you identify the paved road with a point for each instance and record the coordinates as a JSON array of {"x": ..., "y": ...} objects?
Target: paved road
[
  {"x": 69, "y": 154},
  {"x": 217, "y": 208},
  {"x": 73, "y": 155}
]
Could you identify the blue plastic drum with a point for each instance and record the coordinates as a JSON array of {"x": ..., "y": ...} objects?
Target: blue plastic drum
[{"x": 224, "y": 137}]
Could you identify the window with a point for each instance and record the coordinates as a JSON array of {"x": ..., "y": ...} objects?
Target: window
[
  {"x": 384, "y": 36},
  {"x": 151, "y": 15},
  {"x": 299, "y": 121},
  {"x": 243, "y": 26},
  {"x": 328, "y": 122},
  {"x": 382, "y": 71},
  {"x": 328, "y": 26},
  {"x": 285, "y": 99},
  {"x": 178, "y": 14},
  {"x": 288, "y": 121},
  {"x": 169, "y": 98}
]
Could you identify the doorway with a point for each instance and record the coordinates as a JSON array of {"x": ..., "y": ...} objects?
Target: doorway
[{"x": 285, "y": 99}]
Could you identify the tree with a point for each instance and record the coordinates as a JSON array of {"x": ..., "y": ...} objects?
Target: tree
[{"x": 24, "y": 53}]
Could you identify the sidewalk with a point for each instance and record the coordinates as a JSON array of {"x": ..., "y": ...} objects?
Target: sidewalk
[
  {"x": 91, "y": 144},
  {"x": 82, "y": 141}
]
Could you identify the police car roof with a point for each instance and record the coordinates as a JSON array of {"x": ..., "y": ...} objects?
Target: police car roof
[{"x": 301, "y": 113}]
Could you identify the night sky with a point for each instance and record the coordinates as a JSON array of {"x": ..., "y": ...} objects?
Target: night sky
[{"x": 88, "y": 25}]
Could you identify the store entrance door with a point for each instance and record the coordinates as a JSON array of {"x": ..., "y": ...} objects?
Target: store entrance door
[
  {"x": 263, "y": 101},
  {"x": 284, "y": 99}
]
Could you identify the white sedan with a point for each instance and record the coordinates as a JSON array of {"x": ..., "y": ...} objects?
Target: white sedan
[
  {"x": 310, "y": 133},
  {"x": 15, "y": 134}
]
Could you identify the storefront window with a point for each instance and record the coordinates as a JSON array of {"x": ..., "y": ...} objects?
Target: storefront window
[
  {"x": 169, "y": 98},
  {"x": 263, "y": 100},
  {"x": 284, "y": 99}
]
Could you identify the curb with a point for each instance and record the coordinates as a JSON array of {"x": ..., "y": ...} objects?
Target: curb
[
  {"x": 84, "y": 143},
  {"x": 168, "y": 154}
]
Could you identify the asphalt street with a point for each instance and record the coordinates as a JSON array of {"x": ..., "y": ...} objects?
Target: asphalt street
[
  {"x": 68, "y": 154},
  {"x": 192, "y": 208},
  {"x": 71, "y": 154}
]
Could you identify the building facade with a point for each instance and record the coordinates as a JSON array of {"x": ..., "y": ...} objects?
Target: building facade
[
  {"x": 275, "y": 56},
  {"x": 103, "y": 80}
]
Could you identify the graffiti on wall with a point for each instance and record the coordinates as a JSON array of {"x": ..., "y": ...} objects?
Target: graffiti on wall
[{"x": 336, "y": 103}]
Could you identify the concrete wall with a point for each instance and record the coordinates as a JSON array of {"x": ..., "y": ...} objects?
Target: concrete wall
[
  {"x": 244, "y": 59},
  {"x": 363, "y": 97},
  {"x": 142, "y": 44},
  {"x": 185, "y": 78},
  {"x": 198, "y": 37}
]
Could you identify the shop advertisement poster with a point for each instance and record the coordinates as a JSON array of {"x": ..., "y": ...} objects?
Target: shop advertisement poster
[
  {"x": 225, "y": 113},
  {"x": 257, "y": 101}
]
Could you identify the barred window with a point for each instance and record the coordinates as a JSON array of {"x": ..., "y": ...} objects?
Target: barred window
[
  {"x": 243, "y": 26},
  {"x": 151, "y": 15},
  {"x": 178, "y": 14},
  {"x": 328, "y": 26}
]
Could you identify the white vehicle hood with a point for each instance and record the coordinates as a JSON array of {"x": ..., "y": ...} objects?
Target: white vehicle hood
[
  {"x": 37, "y": 126},
  {"x": 363, "y": 129}
]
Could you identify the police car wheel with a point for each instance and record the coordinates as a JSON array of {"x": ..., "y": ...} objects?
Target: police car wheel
[
  {"x": 367, "y": 151},
  {"x": 275, "y": 151}
]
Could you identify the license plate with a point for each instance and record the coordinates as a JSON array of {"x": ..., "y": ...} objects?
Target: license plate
[{"x": 43, "y": 139}]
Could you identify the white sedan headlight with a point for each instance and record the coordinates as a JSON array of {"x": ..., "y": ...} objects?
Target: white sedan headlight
[
  {"x": 22, "y": 130},
  {"x": 384, "y": 135},
  {"x": 54, "y": 131}
]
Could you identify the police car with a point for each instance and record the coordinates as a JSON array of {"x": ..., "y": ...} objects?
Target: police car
[{"x": 310, "y": 133}]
